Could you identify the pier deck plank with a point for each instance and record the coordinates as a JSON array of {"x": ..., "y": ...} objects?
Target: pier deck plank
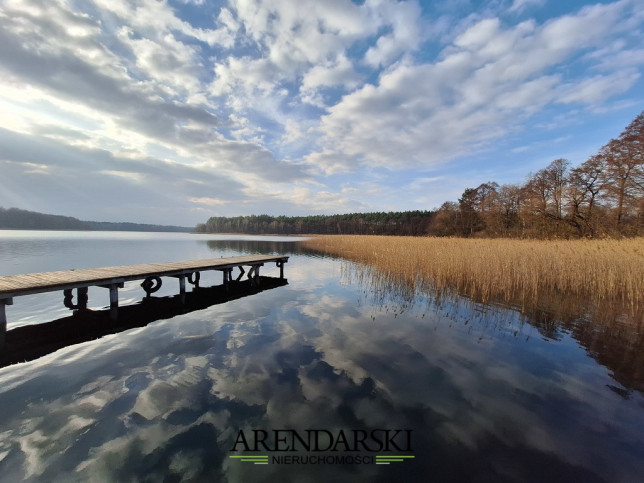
[{"x": 24, "y": 284}]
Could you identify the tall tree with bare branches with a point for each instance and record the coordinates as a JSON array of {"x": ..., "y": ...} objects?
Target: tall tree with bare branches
[{"x": 624, "y": 173}]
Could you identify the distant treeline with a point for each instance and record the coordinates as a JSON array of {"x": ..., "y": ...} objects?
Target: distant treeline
[
  {"x": 392, "y": 223},
  {"x": 604, "y": 196},
  {"x": 17, "y": 219}
]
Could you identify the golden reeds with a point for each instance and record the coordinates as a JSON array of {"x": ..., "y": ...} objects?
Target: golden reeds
[{"x": 505, "y": 270}]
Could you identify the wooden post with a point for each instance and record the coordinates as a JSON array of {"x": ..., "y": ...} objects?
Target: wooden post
[
  {"x": 3, "y": 314},
  {"x": 114, "y": 301},
  {"x": 253, "y": 274},
  {"x": 114, "y": 298},
  {"x": 182, "y": 288},
  {"x": 281, "y": 265},
  {"x": 227, "y": 277}
]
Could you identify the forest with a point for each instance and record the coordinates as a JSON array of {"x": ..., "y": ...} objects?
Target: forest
[
  {"x": 17, "y": 219},
  {"x": 393, "y": 223},
  {"x": 602, "y": 197}
]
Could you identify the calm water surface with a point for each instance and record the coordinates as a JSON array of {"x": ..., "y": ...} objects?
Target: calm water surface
[{"x": 485, "y": 394}]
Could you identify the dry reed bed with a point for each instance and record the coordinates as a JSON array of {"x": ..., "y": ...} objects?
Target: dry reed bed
[{"x": 512, "y": 271}]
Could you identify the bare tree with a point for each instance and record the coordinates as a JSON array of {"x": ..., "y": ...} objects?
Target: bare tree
[
  {"x": 624, "y": 174},
  {"x": 584, "y": 184},
  {"x": 506, "y": 219},
  {"x": 544, "y": 193}
]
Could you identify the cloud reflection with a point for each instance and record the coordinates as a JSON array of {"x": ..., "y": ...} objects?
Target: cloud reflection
[{"x": 167, "y": 400}]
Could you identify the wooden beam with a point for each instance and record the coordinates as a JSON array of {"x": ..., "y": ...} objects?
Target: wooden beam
[{"x": 3, "y": 314}]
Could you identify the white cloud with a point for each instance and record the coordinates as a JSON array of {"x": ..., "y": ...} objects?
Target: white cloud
[
  {"x": 520, "y": 5},
  {"x": 338, "y": 72},
  {"x": 128, "y": 175},
  {"x": 492, "y": 77},
  {"x": 598, "y": 88},
  {"x": 173, "y": 65},
  {"x": 621, "y": 58},
  {"x": 405, "y": 36},
  {"x": 290, "y": 93},
  {"x": 309, "y": 40},
  {"x": 136, "y": 91},
  {"x": 480, "y": 34},
  {"x": 204, "y": 200},
  {"x": 150, "y": 17}
]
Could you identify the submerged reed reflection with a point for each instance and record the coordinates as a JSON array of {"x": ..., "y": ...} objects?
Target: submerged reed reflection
[{"x": 611, "y": 332}]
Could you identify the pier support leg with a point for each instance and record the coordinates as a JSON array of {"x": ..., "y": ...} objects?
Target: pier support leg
[
  {"x": 114, "y": 302},
  {"x": 182, "y": 287},
  {"x": 228, "y": 277},
  {"x": 253, "y": 275},
  {"x": 3, "y": 316},
  {"x": 114, "y": 298},
  {"x": 281, "y": 265}
]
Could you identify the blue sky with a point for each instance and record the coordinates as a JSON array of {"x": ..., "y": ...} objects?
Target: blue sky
[{"x": 172, "y": 111}]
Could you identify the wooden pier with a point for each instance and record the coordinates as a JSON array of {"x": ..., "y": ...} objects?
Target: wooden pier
[{"x": 113, "y": 278}]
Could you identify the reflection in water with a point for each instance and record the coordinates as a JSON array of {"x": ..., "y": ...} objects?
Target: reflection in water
[
  {"x": 260, "y": 247},
  {"x": 610, "y": 332},
  {"x": 33, "y": 341},
  {"x": 488, "y": 396}
]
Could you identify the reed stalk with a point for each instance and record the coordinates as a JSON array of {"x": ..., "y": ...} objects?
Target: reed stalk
[{"x": 506, "y": 270}]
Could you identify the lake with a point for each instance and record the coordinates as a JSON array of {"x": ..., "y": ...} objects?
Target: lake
[{"x": 327, "y": 378}]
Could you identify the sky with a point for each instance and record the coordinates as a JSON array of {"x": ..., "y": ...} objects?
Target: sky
[{"x": 172, "y": 111}]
